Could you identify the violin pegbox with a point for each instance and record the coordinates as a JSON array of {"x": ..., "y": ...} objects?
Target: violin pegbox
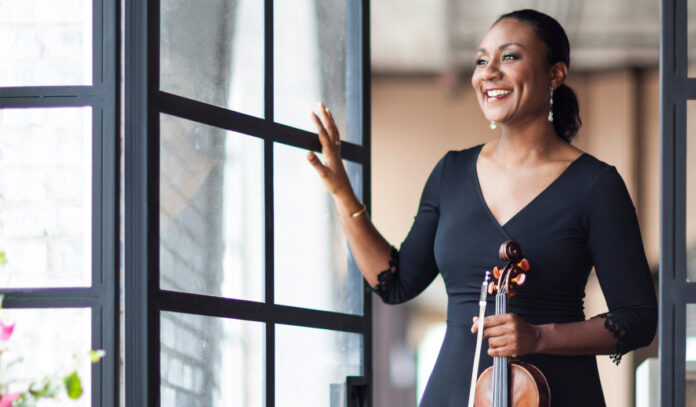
[{"x": 513, "y": 274}]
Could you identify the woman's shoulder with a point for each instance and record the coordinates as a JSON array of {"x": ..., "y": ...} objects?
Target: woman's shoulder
[
  {"x": 462, "y": 157},
  {"x": 594, "y": 166},
  {"x": 599, "y": 180}
]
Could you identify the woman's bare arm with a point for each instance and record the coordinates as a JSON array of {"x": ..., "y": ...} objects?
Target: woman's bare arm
[
  {"x": 370, "y": 250},
  {"x": 509, "y": 335}
]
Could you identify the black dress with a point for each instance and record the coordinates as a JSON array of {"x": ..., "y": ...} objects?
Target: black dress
[{"x": 585, "y": 218}]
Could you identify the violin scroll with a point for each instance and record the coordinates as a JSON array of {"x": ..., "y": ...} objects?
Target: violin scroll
[{"x": 510, "y": 251}]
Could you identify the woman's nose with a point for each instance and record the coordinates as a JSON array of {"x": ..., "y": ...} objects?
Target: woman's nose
[{"x": 491, "y": 72}]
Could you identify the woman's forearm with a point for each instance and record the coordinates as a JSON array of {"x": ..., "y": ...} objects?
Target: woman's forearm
[
  {"x": 370, "y": 250},
  {"x": 588, "y": 337}
]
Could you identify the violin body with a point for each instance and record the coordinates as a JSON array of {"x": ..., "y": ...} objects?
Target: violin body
[{"x": 528, "y": 387}]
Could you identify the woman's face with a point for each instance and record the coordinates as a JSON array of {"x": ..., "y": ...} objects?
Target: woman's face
[{"x": 512, "y": 79}]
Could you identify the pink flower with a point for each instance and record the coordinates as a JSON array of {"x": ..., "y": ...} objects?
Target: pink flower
[
  {"x": 5, "y": 333},
  {"x": 7, "y": 399}
]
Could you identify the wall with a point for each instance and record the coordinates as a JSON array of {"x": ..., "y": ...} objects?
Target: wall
[{"x": 416, "y": 120}]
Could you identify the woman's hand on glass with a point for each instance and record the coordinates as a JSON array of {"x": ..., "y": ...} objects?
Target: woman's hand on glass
[{"x": 331, "y": 170}]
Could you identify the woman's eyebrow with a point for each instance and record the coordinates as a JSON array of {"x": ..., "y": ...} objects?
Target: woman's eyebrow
[{"x": 507, "y": 44}]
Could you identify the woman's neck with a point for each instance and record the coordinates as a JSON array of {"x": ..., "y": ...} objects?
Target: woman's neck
[{"x": 525, "y": 143}]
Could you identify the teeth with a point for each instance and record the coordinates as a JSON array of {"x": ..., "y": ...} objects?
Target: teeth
[{"x": 497, "y": 92}]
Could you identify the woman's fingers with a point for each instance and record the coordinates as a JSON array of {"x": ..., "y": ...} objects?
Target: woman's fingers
[
  {"x": 329, "y": 123},
  {"x": 499, "y": 330},
  {"x": 502, "y": 352},
  {"x": 324, "y": 138},
  {"x": 508, "y": 335},
  {"x": 334, "y": 128},
  {"x": 317, "y": 164},
  {"x": 491, "y": 321}
]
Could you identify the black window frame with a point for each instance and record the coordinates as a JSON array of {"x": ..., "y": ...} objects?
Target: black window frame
[
  {"x": 676, "y": 88},
  {"x": 104, "y": 99},
  {"x": 144, "y": 102}
]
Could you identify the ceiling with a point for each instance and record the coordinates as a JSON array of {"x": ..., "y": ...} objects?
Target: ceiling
[{"x": 435, "y": 36}]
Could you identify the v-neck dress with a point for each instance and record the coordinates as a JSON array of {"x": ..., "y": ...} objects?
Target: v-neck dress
[{"x": 583, "y": 219}]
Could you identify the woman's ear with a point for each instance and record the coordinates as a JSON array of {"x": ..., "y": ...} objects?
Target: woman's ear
[{"x": 559, "y": 71}]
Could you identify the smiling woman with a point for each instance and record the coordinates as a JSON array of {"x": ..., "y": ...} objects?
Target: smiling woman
[
  {"x": 568, "y": 210},
  {"x": 545, "y": 56}
]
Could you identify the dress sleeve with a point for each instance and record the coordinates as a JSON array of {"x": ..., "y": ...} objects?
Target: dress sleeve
[
  {"x": 616, "y": 247},
  {"x": 412, "y": 268}
]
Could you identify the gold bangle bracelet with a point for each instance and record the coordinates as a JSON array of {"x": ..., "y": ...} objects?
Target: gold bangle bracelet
[{"x": 360, "y": 212}]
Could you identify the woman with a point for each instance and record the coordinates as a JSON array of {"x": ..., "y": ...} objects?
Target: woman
[{"x": 568, "y": 210}]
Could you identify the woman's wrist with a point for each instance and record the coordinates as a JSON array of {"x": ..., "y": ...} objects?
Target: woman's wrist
[
  {"x": 544, "y": 336},
  {"x": 348, "y": 204}
]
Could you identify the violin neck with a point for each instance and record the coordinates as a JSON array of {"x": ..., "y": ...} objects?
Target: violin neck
[{"x": 500, "y": 364}]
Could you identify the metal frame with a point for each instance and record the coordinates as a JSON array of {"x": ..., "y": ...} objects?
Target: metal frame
[
  {"x": 675, "y": 292},
  {"x": 144, "y": 103},
  {"x": 103, "y": 97}
]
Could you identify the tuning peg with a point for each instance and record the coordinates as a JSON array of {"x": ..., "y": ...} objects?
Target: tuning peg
[
  {"x": 496, "y": 272},
  {"x": 520, "y": 279},
  {"x": 523, "y": 264},
  {"x": 492, "y": 288}
]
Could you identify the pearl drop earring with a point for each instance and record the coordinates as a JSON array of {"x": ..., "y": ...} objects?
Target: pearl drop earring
[
  {"x": 550, "y": 117},
  {"x": 493, "y": 125}
]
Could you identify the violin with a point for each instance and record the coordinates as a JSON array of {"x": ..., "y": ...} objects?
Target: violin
[{"x": 510, "y": 382}]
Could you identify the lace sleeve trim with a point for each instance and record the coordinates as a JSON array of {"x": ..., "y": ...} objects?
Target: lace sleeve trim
[
  {"x": 618, "y": 327},
  {"x": 385, "y": 279}
]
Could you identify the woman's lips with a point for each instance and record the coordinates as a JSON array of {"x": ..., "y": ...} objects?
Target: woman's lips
[{"x": 494, "y": 95}]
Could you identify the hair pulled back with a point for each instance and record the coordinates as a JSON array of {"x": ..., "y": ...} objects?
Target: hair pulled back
[{"x": 566, "y": 115}]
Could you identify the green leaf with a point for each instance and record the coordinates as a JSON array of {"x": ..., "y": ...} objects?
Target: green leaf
[
  {"x": 3, "y": 258},
  {"x": 96, "y": 355},
  {"x": 73, "y": 386}
]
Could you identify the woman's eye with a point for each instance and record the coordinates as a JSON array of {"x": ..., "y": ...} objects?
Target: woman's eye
[
  {"x": 509, "y": 57},
  {"x": 480, "y": 61}
]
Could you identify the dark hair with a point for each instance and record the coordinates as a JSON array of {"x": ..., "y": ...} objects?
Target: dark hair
[{"x": 566, "y": 115}]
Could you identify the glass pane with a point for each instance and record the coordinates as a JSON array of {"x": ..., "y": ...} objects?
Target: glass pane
[
  {"x": 312, "y": 64},
  {"x": 691, "y": 190},
  {"x": 211, "y": 362},
  {"x": 213, "y": 51},
  {"x": 313, "y": 268},
  {"x": 47, "y": 342},
  {"x": 211, "y": 210},
  {"x": 691, "y": 355},
  {"x": 45, "y": 43},
  {"x": 312, "y": 365},
  {"x": 46, "y": 197}
]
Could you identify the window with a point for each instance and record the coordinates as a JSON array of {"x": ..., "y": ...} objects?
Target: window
[
  {"x": 677, "y": 286},
  {"x": 59, "y": 187},
  {"x": 240, "y": 288}
]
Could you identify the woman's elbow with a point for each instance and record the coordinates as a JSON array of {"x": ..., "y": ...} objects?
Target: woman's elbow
[{"x": 648, "y": 327}]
